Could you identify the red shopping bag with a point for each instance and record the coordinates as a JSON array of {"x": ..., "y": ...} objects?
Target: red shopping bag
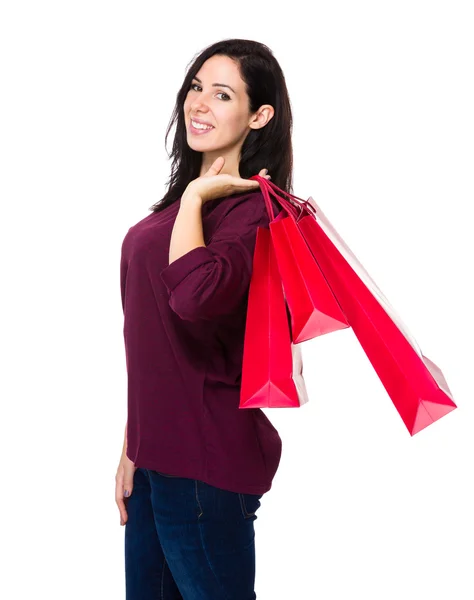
[
  {"x": 272, "y": 367},
  {"x": 313, "y": 307},
  {"x": 416, "y": 385}
]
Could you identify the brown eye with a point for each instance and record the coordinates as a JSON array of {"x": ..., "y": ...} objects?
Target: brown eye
[
  {"x": 225, "y": 95},
  {"x": 191, "y": 87}
]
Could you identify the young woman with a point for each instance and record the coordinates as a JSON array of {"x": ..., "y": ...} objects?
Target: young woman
[{"x": 194, "y": 466}]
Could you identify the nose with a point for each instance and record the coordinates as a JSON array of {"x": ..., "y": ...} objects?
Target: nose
[
  {"x": 199, "y": 105},
  {"x": 200, "y": 102}
]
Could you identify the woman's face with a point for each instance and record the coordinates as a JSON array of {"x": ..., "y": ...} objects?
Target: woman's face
[{"x": 225, "y": 107}]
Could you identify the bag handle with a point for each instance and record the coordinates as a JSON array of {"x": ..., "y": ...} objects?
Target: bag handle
[
  {"x": 299, "y": 200},
  {"x": 268, "y": 187},
  {"x": 266, "y": 191},
  {"x": 276, "y": 189}
]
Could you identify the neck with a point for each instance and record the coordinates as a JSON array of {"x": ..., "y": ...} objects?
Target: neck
[{"x": 231, "y": 164}]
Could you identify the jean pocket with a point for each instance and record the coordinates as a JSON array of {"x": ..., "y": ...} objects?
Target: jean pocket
[
  {"x": 249, "y": 504},
  {"x": 166, "y": 474}
]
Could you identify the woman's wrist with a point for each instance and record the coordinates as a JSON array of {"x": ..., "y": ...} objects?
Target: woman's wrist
[{"x": 190, "y": 197}]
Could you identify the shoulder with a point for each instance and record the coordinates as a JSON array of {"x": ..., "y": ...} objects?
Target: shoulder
[
  {"x": 246, "y": 205},
  {"x": 242, "y": 200}
]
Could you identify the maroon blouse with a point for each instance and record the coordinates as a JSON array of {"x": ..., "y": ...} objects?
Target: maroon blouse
[{"x": 184, "y": 326}]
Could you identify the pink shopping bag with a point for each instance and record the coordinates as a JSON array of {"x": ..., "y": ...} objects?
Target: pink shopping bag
[
  {"x": 272, "y": 368},
  {"x": 416, "y": 386}
]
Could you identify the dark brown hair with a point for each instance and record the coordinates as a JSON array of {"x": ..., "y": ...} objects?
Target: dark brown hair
[{"x": 269, "y": 147}]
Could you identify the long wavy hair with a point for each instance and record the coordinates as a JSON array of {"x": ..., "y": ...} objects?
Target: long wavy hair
[{"x": 268, "y": 147}]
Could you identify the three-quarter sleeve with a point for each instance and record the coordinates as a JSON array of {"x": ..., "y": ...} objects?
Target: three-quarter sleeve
[{"x": 210, "y": 281}]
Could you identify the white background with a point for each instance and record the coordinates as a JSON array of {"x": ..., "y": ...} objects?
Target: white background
[{"x": 382, "y": 98}]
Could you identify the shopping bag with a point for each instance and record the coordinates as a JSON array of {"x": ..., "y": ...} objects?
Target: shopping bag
[
  {"x": 314, "y": 310},
  {"x": 416, "y": 385},
  {"x": 272, "y": 367}
]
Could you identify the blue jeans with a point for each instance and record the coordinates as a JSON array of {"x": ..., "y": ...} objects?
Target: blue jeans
[{"x": 188, "y": 540}]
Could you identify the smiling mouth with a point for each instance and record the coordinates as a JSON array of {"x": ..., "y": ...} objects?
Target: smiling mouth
[{"x": 198, "y": 130}]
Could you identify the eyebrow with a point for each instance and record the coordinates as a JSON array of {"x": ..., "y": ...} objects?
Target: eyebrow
[{"x": 217, "y": 85}]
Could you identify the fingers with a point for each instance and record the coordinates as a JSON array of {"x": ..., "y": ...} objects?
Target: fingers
[
  {"x": 119, "y": 498},
  {"x": 123, "y": 490},
  {"x": 216, "y": 167}
]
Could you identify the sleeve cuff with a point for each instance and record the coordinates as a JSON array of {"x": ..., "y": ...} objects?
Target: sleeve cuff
[{"x": 180, "y": 268}]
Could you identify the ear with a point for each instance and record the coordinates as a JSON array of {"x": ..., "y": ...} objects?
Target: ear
[{"x": 263, "y": 115}]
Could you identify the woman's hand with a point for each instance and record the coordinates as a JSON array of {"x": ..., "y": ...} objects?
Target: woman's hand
[
  {"x": 124, "y": 481},
  {"x": 213, "y": 185}
]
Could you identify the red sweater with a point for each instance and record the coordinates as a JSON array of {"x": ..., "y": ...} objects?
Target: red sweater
[{"x": 184, "y": 326}]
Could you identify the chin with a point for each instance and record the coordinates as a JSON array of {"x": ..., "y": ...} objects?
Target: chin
[{"x": 203, "y": 147}]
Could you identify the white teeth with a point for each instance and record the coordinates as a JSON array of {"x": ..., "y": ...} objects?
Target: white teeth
[{"x": 200, "y": 125}]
